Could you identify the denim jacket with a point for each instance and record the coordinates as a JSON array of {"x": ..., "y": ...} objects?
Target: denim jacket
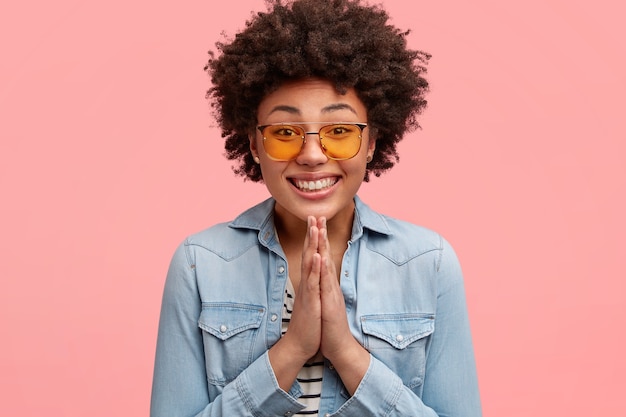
[{"x": 405, "y": 304}]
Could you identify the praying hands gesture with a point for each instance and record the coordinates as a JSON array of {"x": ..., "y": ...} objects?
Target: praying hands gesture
[{"x": 318, "y": 322}]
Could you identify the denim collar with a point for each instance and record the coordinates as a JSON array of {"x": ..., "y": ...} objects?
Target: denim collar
[{"x": 261, "y": 218}]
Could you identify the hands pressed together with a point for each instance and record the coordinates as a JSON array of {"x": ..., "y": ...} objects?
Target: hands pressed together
[{"x": 318, "y": 321}]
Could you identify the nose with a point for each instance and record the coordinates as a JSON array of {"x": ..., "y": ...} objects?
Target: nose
[{"x": 311, "y": 152}]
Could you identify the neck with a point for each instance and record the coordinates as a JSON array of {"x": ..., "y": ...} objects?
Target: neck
[{"x": 292, "y": 230}]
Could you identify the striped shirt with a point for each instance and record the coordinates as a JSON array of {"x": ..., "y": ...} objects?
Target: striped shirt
[{"x": 310, "y": 376}]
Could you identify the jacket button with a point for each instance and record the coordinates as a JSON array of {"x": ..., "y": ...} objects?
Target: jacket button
[
  {"x": 274, "y": 317},
  {"x": 223, "y": 328},
  {"x": 281, "y": 269},
  {"x": 399, "y": 338}
]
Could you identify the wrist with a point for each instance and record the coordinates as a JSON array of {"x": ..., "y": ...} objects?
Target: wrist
[
  {"x": 350, "y": 354},
  {"x": 351, "y": 364},
  {"x": 288, "y": 352},
  {"x": 285, "y": 363}
]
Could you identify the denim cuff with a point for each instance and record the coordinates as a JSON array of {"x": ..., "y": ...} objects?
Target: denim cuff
[
  {"x": 377, "y": 394},
  {"x": 259, "y": 390}
]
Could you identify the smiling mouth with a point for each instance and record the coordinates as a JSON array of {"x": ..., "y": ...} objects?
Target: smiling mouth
[{"x": 317, "y": 185}]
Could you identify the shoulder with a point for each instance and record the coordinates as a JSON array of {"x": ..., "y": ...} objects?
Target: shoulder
[
  {"x": 399, "y": 240},
  {"x": 228, "y": 240},
  {"x": 221, "y": 240},
  {"x": 404, "y": 241}
]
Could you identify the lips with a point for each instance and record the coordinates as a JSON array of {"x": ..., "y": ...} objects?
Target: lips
[{"x": 314, "y": 185}]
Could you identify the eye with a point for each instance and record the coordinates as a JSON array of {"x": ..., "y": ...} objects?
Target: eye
[
  {"x": 285, "y": 132},
  {"x": 339, "y": 131}
]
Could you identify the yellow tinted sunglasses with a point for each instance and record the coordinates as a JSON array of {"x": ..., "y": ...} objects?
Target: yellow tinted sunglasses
[{"x": 339, "y": 140}]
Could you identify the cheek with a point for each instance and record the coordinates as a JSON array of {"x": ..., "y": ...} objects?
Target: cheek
[
  {"x": 272, "y": 171},
  {"x": 356, "y": 169}
]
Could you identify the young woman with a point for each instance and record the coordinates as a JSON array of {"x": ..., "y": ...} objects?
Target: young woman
[{"x": 311, "y": 303}]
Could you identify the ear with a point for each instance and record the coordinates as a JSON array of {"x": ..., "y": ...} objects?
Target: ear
[
  {"x": 371, "y": 146},
  {"x": 253, "y": 148}
]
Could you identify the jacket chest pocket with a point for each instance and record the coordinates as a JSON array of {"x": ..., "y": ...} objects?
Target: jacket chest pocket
[
  {"x": 399, "y": 341},
  {"x": 229, "y": 331}
]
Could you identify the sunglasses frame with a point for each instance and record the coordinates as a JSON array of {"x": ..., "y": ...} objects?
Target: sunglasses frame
[{"x": 360, "y": 125}]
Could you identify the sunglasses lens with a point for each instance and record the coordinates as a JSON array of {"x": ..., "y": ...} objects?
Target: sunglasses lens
[
  {"x": 338, "y": 141},
  {"x": 341, "y": 141},
  {"x": 283, "y": 142}
]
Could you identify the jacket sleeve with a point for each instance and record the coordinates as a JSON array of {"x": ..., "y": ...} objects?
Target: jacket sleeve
[
  {"x": 450, "y": 383},
  {"x": 179, "y": 387}
]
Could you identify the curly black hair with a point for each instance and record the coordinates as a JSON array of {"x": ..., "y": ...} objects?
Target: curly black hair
[{"x": 344, "y": 41}]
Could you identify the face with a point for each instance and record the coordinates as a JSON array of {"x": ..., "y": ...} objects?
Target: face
[{"x": 335, "y": 182}]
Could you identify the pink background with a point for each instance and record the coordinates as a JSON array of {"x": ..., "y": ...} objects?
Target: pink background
[{"x": 109, "y": 158}]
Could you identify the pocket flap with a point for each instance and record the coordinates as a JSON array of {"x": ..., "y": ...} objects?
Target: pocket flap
[
  {"x": 399, "y": 330},
  {"x": 224, "y": 320}
]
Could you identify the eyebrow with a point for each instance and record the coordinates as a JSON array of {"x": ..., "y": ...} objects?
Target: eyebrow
[{"x": 328, "y": 109}]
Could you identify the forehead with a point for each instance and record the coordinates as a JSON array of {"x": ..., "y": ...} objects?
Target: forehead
[{"x": 313, "y": 98}]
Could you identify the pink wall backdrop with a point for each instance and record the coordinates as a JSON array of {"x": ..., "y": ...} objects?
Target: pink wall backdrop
[{"x": 109, "y": 158}]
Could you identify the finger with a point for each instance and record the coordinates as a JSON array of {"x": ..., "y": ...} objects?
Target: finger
[
  {"x": 321, "y": 222},
  {"x": 311, "y": 238},
  {"x": 323, "y": 235},
  {"x": 311, "y": 242},
  {"x": 329, "y": 281},
  {"x": 310, "y": 221},
  {"x": 311, "y": 264},
  {"x": 308, "y": 293},
  {"x": 313, "y": 278},
  {"x": 313, "y": 234},
  {"x": 325, "y": 252}
]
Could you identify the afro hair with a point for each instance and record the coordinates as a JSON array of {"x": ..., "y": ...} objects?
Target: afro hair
[{"x": 346, "y": 42}]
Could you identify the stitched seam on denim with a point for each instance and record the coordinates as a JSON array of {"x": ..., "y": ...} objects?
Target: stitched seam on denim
[
  {"x": 230, "y": 257},
  {"x": 440, "y": 253},
  {"x": 244, "y": 397},
  {"x": 395, "y": 395},
  {"x": 190, "y": 260},
  {"x": 409, "y": 259}
]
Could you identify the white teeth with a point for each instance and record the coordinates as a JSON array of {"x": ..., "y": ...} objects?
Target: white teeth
[{"x": 315, "y": 185}]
